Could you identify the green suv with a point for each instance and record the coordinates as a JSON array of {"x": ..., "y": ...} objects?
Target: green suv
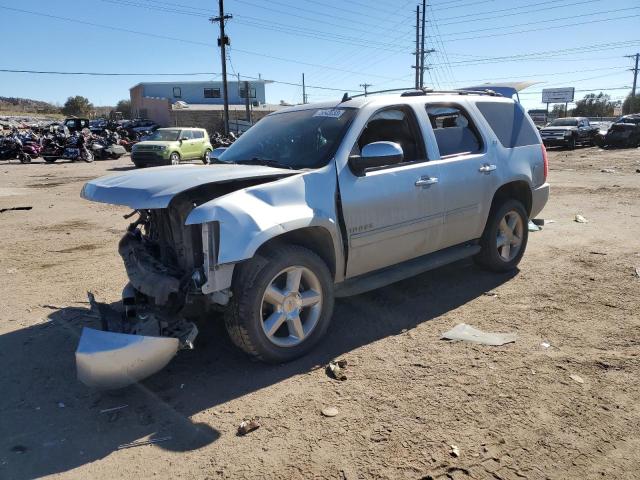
[{"x": 169, "y": 146}]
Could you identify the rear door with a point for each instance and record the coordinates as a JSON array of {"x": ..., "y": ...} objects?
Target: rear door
[
  {"x": 467, "y": 172},
  {"x": 392, "y": 213},
  {"x": 198, "y": 141}
]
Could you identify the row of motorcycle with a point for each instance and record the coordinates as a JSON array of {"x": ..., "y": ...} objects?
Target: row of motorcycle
[{"x": 58, "y": 143}]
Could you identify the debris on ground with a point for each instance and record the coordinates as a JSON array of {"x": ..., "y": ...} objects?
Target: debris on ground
[
  {"x": 576, "y": 378},
  {"x": 608, "y": 170},
  {"x": 336, "y": 368},
  {"x": 248, "y": 426},
  {"x": 593, "y": 252},
  {"x": 330, "y": 411},
  {"x": 467, "y": 333},
  {"x": 455, "y": 451},
  {"x": 11, "y": 209},
  {"x": 545, "y": 344},
  {"x": 143, "y": 442},
  {"x": 580, "y": 219},
  {"x": 113, "y": 409},
  {"x": 490, "y": 294},
  {"x": 532, "y": 227},
  {"x": 637, "y": 272}
]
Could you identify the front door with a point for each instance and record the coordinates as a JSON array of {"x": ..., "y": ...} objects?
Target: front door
[
  {"x": 392, "y": 213},
  {"x": 188, "y": 145}
]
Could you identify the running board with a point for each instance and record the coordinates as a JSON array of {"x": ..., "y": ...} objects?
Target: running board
[{"x": 404, "y": 270}]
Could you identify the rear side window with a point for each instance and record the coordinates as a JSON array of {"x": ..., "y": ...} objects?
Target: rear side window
[
  {"x": 186, "y": 134},
  {"x": 198, "y": 134},
  {"x": 454, "y": 130},
  {"x": 510, "y": 123}
]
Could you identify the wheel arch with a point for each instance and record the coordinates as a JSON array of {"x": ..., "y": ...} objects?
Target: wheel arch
[{"x": 518, "y": 190}]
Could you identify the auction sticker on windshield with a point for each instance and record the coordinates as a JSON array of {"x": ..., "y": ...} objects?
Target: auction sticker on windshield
[{"x": 329, "y": 112}]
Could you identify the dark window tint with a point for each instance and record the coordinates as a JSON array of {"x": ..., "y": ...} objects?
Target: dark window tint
[
  {"x": 454, "y": 131},
  {"x": 177, "y": 92},
  {"x": 510, "y": 123},
  {"x": 243, "y": 93},
  {"x": 394, "y": 125},
  {"x": 198, "y": 134},
  {"x": 211, "y": 93}
]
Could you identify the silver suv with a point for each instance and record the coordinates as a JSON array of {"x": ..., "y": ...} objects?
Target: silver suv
[{"x": 315, "y": 202}]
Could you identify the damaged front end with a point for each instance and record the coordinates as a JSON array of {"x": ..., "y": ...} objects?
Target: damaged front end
[{"x": 163, "y": 260}]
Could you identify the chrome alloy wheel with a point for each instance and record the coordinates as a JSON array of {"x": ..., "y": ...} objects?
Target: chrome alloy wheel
[
  {"x": 291, "y": 306},
  {"x": 509, "y": 238}
]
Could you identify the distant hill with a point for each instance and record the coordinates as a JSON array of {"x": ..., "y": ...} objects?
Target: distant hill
[{"x": 26, "y": 105}]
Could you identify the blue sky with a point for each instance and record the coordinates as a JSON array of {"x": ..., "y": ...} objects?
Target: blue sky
[{"x": 338, "y": 44}]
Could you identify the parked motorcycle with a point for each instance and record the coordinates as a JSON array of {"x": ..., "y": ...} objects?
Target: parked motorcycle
[
  {"x": 11, "y": 147},
  {"x": 107, "y": 146},
  {"x": 71, "y": 148}
]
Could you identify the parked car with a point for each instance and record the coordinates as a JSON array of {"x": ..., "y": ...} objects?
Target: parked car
[
  {"x": 624, "y": 132},
  {"x": 76, "y": 124},
  {"x": 170, "y": 146},
  {"x": 569, "y": 132},
  {"x": 314, "y": 202}
]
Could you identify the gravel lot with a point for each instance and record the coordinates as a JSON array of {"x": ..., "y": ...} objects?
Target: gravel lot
[{"x": 571, "y": 410}]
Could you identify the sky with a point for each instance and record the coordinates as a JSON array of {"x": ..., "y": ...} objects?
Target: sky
[{"x": 338, "y": 44}]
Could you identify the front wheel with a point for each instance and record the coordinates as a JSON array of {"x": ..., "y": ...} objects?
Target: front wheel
[
  {"x": 571, "y": 143},
  {"x": 25, "y": 158},
  {"x": 174, "y": 158},
  {"x": 282, "y": 303},
  {"x": 50, "y": 159},
  {"x": 87, "y": 156},
  {"x": 505, "y": 236}
]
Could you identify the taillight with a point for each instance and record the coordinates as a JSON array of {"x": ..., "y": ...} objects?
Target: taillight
[{"x": 545, "y": 161}]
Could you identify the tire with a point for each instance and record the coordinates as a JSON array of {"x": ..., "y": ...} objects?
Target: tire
[
  {"x": 174, "y": 158},
  {"x": 87, "y": 156},
  {"x": 492, "y": 256},
  {"x": 25, "y": 158},
  {"x": 50, "y": 159},
  {"x": 571, "y": 143},
  {"x": 205, "y": 157},
  {"x": 247, "y": 317}
]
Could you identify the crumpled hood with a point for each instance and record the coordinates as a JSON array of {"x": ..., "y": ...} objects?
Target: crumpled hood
[{"x": 155, "y": 187}]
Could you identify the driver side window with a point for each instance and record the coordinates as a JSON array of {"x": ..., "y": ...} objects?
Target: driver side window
[{"x": 395, "y": 124}]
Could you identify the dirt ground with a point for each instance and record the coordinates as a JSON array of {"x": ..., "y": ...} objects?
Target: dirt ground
[{"x": 571, "y": 410}]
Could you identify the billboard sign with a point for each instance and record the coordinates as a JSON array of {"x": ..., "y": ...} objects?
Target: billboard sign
[{"x": 558, "y": 95}]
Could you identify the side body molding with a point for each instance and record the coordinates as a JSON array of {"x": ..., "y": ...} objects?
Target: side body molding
[{"x": 250, "y": 217}]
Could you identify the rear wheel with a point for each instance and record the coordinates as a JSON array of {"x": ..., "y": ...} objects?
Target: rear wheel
[
  {"x": 505, "y": 236},
  {"x": 205, "y": 157},
  {"x": 282, "y": 303}
]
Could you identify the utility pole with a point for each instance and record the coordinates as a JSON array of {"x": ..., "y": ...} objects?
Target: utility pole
[
  {"x": 635, "y": 73},
  {"x": 304, "y": 91},
  {"x": 424, "y": 12},
  {"x": 223, "y": 41},
  {"x": 417, "y": 66},
  {"x": 365, "y": 86}
]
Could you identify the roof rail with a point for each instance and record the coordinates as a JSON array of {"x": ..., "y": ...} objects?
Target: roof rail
[{"x": 412, "y": 92}]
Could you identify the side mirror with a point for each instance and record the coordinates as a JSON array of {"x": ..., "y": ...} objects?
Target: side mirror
[
  {"x": 376, "y": 154},
  {"x": 182, "y": 139}
]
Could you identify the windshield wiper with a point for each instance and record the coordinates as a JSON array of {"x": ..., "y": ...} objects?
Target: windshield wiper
[{"x": 266, "y": 162}]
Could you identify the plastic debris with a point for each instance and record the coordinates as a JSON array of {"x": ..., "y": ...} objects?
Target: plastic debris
[
  {"x": 545, "y": 344},
  {"x": 490, "y": 294},
  {"x": 576, "y": 378},
  {"x": 467, "y": 333},
  {"x": 532, "y": 227},
  {"x": 248, "y": 426},
  {"x": 336, "y": 368},
  {"x": 637, "y": 272},
  {"x": 455, "y": 451},
  {"x": 330, "y": 411},
  {"x": 143, "y": 442},
  {"x": 608, "y": 170},
  {"x": 580, "y": 219},
  {"x": 113, "y": 409}
]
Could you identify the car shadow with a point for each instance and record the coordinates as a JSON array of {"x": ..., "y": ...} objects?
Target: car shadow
[{"x": 51, "y": 423}]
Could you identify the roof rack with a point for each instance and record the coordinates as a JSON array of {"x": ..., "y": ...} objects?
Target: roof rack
[{"x": 412, "y": 92}]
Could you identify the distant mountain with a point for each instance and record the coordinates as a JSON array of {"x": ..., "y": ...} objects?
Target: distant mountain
[{"x": 26, "y": 105}]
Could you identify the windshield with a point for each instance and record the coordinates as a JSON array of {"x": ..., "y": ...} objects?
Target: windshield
[
  {"x": 564, "y": 122},
  {"x": 298, "y": 139},
  {"x": 164, "y": 135}
]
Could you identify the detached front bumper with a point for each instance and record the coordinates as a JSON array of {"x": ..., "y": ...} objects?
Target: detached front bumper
[{"x": 108, "y": 360}]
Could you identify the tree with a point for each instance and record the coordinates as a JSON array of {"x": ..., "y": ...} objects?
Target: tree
[
  {"x": 631, "y": 105},
  {"x": 124, "y": 107},
  {"x": 77, "y": 106},
  {"x": 557, "y": 110},
  {"x": 593, "y": 105}
]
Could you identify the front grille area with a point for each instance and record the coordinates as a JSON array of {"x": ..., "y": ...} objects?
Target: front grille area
[{"x": 146, "y": 157}]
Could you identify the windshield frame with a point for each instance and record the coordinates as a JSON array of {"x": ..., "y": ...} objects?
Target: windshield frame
[{"x": 323, "y": 159}]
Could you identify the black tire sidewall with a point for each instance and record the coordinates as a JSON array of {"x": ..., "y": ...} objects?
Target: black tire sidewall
[
  {"x": 490, "y": 256},
  {"x": 249, "y": 289}
]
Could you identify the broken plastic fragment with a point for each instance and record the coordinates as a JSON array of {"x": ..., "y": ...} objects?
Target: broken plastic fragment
[
  {"x": 580, "y": 219},
  {"x": 248, "y": 426},
  {"x": 455, "y": 451},
  {"x": 467, "y": 333}
]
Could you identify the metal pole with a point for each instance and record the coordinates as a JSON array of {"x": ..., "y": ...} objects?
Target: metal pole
[
  {"x": 417, "y": 67},
  {"x": 304, "y": 91},
  {"x": 246, "y": 102},
  {"x": 424, "y": 11},
  {"x": 635, "y": 76},
  {"x": 223, "y": 41}
]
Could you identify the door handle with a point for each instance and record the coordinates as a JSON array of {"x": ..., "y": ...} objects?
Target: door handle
[
  {"x": 486, "y": 168},
  {"x": 426, "y": 181}
]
